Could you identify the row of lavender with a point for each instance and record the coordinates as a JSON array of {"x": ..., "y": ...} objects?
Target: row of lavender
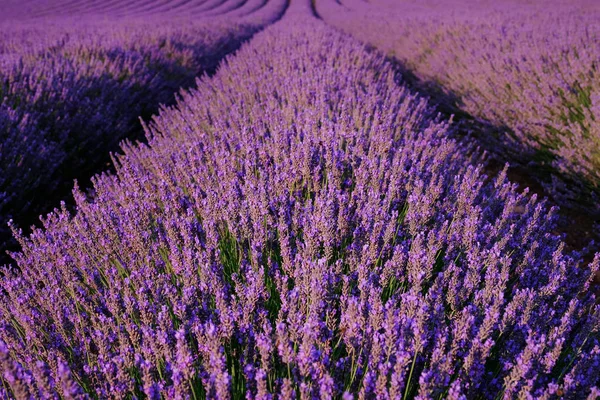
[
  {"x": 137, "y": 8},
  {"x": 302, "y": 226},
  {"x": 529, "y": 69},
  {"x": 70, "y": 91}
]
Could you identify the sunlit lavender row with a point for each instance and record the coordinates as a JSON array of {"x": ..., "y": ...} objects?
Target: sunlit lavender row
[
  {"x": 530, "y": 69},
  {"x": 300, "y": 225},
  {"x": 71, "y": 90}
]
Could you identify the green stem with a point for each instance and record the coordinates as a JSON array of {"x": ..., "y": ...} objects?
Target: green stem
[{"x": 412, "y": 368}]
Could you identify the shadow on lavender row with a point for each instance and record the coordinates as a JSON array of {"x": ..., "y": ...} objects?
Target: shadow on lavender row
[
  {"x": 579, "y": 216},
  {"x": 87, "y": 140}
]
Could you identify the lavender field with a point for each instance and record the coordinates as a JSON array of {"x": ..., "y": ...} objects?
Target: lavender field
[{"x": 305, "y": 199}]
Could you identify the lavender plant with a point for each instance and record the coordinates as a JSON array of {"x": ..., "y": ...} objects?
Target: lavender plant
[
  {"x": 528, "y": 68},
  {"x": 299, "y": 225},
  {"x": 70, "y": 91}
]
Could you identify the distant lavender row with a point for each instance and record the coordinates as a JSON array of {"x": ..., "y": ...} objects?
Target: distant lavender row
[
  {"x": 531, "y": 69},
  {"x": 70, "y": 91},
  {"x": 44, "y": 9},
  {"x": 299, "y": 225}
]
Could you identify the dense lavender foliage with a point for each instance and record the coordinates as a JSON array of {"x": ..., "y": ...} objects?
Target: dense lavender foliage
[
  {"x": 300, "y": 225},
  {"x": 529, "y": 68},
  {"x": 70, "y": 91}
]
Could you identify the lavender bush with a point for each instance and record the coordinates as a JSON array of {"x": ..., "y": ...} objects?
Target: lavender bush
[
  {"x": 299, "y": 225},
  {"x": 70, "y": 91},
  {"x": 528, "y": 68}
]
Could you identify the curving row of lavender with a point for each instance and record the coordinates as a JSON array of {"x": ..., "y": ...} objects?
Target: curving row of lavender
[
  {"x": 71, "y": 90},
  {"x": 299, "y": 225},
  {"x": 110, "y": 9},
  {"x": 529, "y": 68}
]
